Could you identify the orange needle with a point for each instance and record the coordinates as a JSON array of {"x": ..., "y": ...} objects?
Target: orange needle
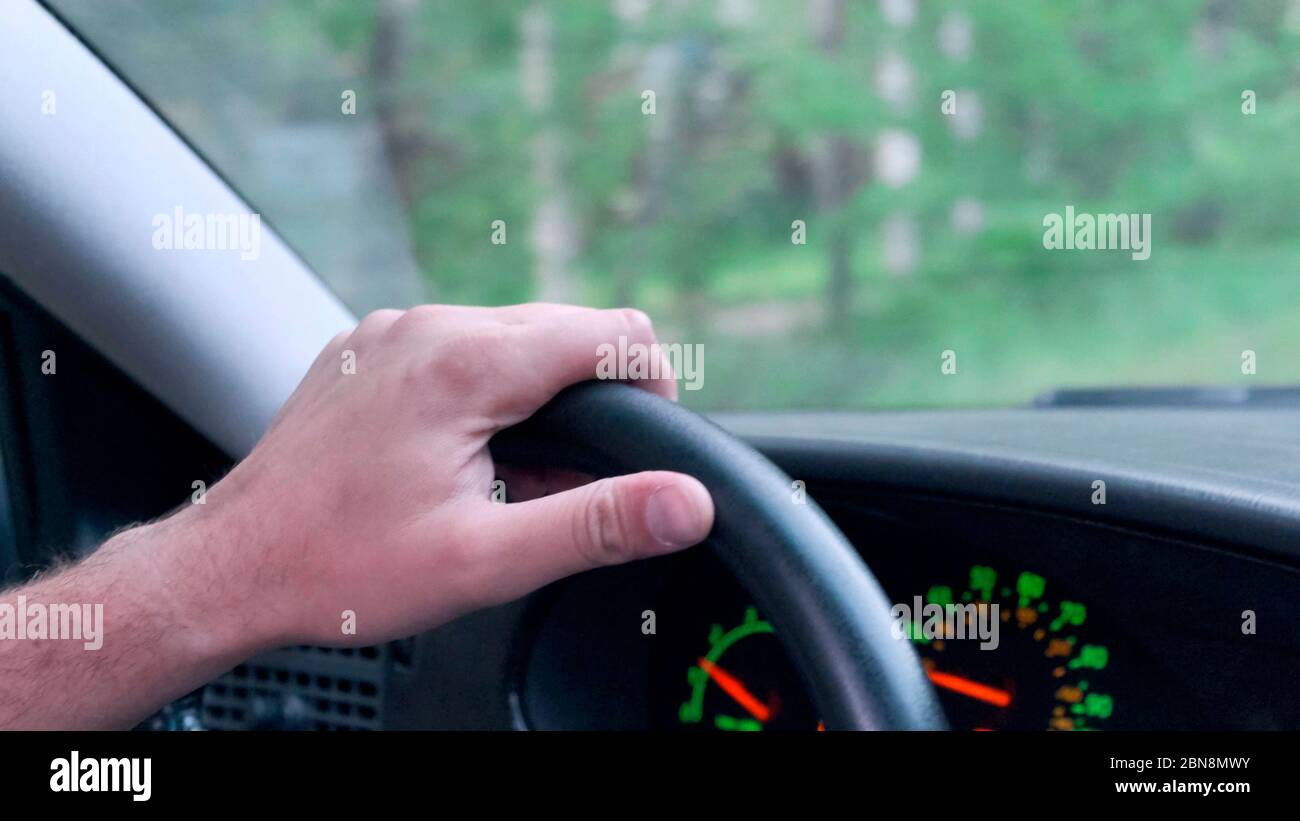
[
  {"x": 732, "y": 687},
  {"x": 971, "y": 689}
]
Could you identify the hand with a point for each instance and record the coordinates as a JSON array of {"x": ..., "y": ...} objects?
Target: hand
[{"x": 370, "y": 492}]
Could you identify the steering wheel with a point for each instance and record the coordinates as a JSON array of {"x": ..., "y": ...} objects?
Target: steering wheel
[{"x": 829, "y": 611}]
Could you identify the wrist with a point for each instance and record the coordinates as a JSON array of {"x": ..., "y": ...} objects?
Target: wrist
[{"x": 188, "y": 564}]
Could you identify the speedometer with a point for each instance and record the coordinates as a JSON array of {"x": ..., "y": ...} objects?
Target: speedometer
[{"x": 1046, "y": 670}]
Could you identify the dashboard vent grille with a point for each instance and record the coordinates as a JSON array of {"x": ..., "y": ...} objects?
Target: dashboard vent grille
[{"x": 301, "y": 688}]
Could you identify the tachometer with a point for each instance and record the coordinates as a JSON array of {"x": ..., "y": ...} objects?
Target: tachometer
[{"x": 741, "y": 681}]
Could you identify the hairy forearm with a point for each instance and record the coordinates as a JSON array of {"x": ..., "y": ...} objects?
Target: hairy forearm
[{"x": 153, "y": 623}]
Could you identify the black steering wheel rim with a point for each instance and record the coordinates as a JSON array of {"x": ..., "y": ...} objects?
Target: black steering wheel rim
[{"x": 829, "y": 611}]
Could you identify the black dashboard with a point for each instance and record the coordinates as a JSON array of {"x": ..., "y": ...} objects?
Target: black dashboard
[{"x": 1101, "y": 628}]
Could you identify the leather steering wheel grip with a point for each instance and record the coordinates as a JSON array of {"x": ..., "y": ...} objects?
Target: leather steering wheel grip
[{"x": 829, "y": 611}]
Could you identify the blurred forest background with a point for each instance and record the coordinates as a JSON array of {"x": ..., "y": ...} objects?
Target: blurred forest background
[{"x": 924, "y": 222}]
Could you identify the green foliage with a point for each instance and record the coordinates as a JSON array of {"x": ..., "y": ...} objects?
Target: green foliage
[{"x": 1106, "y": 105}]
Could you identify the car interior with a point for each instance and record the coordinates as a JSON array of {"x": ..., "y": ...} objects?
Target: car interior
[{"x": 1142, "y": 544}]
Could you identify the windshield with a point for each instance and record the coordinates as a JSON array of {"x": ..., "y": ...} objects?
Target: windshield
[{"x": 848, "y": 204}]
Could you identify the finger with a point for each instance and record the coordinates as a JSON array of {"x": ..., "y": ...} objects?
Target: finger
[
  {"x": 524, "y": 482},
  {"x": 607, "y": 522},
  {"x": 534, "y": 312},
  {"x": 667, "y": 376},
  {"x": 459, "y": 316},
  {"x": 563, "y": 350}
]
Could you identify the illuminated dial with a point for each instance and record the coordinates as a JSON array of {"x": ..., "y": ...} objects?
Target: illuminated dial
[
  {"x": 741, "y": 681},
  {"x": 1042, "y": 671}
]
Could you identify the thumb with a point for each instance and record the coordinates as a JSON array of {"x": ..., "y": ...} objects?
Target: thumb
[{"x": 606, "y": 522}]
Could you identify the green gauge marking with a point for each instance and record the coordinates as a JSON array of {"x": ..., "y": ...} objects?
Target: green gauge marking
[{"x": 692, "y": 710}]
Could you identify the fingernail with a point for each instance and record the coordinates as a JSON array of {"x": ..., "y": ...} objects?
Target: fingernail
[{"x": 673, "y": 516}]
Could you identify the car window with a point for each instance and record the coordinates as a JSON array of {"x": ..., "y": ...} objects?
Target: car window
[{"x": 848, "y": 204}]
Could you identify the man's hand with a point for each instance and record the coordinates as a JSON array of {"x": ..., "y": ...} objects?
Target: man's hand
[{"x": 371, "y": 493}]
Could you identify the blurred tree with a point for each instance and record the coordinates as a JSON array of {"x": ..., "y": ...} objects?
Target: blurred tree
[
  {"x": 404, "y": 142},
  {"x": 831, "y": 162},
  {"x": 553, "y": 233},
  {"x": 768, "y": 111}
]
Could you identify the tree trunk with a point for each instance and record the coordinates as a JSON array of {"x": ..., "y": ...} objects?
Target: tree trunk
[
  {"x": 554, "y": 234},
  {"x": 387, "y": 53},
  {"x": 831, "y": 165}
]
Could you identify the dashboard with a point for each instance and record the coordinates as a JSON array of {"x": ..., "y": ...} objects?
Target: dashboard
[{"x": 1097, "y": 628}]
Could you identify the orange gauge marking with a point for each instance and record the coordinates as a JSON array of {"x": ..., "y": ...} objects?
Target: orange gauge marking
[
  {"x": 733, "y": 687},
  {"x": 970, "y": 689}
]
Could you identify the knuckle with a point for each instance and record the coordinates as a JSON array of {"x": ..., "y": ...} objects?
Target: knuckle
[
  {"x": 602, "y": 533},
  {"x": 379, "y": 319},
  {"x": 426, "y": 312},
  {"x": 374, "y": 326},
  {"x": 637, "y": 322},
  {"x": 421, "y": 316}
]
